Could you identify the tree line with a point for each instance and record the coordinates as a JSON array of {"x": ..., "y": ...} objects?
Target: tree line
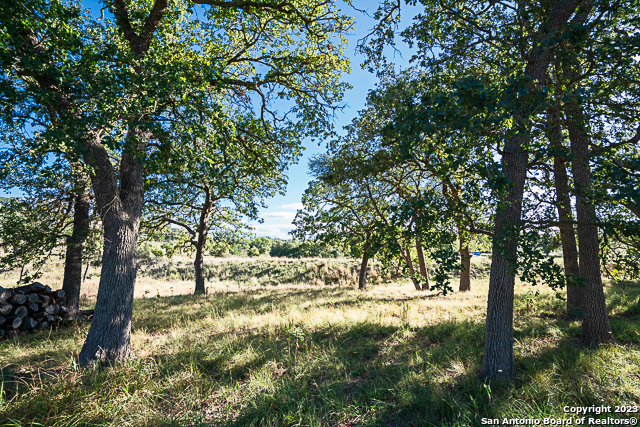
[{"x": 234, "y": 246}]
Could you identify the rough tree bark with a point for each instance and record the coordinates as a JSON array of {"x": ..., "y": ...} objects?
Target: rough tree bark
[
  {"x": 595, "y": 327},
  {"x": 498, "y": 346},
  {"x": 497, "y": 361},
  {"x": 120, "y": 208},
  {"x": 72, "y": 279},
  {"x": 423, "y": 266},
  {"x": 565, "y": 217},
  {"x": 465, "y": 264},
  {"x": 119, "y": 198},
  {"x": 201, "y": 240}
]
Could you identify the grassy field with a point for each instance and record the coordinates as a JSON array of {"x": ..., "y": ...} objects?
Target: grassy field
[{"x": 260, "y": 353}]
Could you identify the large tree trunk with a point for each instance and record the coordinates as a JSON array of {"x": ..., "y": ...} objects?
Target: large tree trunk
[
  {"x": 120, "y": 208},
  {"x": 423, "y": 266},
  {"x": 198, "y": 264},
  {"x": 75, "y": 244},
  {"x": 497, "y": 362},
  {"x": 119, "y": 198},
  {"x": 108, "y": 340},
  {"x": 595, "y": 327},
  {"x": 565, "y": 218},
  {"x": 201, "y": 241},
  {"x": 465, "y": 264}
]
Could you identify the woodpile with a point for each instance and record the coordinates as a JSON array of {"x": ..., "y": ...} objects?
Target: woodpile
[{"x": 33, "y": 306}]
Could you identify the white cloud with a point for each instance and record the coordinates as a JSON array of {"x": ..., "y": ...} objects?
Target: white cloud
[
  {"x": 292, "y": 206},
  {"x": 279, "y": 214},
  {"x": 280, "y": 231},
  {"x": 276, "y": 223}
]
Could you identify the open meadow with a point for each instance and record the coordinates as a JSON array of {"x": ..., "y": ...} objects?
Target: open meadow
[{"x": 258, "y": 353}]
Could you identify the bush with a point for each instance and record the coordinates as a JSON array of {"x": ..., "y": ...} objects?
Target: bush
[
  {"x": 157, "y": 252},
  {"x": 168, "y": 249},
  {"x": 148, "y": 253},
  {"x": 253, "y": 251}
]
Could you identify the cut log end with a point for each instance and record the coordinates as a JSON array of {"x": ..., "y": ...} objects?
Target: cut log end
[{"x": 31, "y": 307}]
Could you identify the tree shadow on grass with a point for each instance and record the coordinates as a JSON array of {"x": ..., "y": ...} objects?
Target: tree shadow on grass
[
  {"x": 393, "y": 388},
  {"x": 356, "y": 375},
  {"x": 623, "y": 303},
  {"x": 385, "y": 376},
  {"x": 622, "y": 299},
  {"x": 160, "y": 313},
  {"x": 364, "y": 374}
]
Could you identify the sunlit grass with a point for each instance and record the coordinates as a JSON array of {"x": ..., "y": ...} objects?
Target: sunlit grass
[{"x": 304, "y": 354}]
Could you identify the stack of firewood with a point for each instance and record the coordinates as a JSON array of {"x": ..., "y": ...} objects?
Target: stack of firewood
[{"x": 33, "y": 306}]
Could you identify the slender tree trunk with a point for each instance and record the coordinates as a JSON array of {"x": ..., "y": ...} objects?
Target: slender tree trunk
[
  {"x": 572, "y": 269},
  {"x": 595, "y": 327},
  {"x": 465, "y": 261},
  {"x": 362, "y": 279},
  {"x": 449, "y": 190},
  {"x": 497, "y": 361},
  {"x": 203, "y": 230},
  {"x": 423, "y": 265},
  {"x": 86, "y": 270},
  {"x": 407, "y": 257},
  {"x": 75, "y": 244},
  {"x": 565, "y": 219},
  {"x": 120, "y": 208}
]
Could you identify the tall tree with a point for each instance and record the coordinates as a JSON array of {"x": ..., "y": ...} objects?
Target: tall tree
[
  {"x": 45, "y": 176},
  {"x": 120, "y": 87},
  {"x": 498, "y": 348},
  {"x": 428, "y": 151},
  {"x": 595, "y": 326},
  {"x": 192, "y": 198},
  {"x": 564, "y": 209},
  {"x": 511, "y": 45},
  {"x": 360, "y": 183},
  {"x": 342, "y": 213}
]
